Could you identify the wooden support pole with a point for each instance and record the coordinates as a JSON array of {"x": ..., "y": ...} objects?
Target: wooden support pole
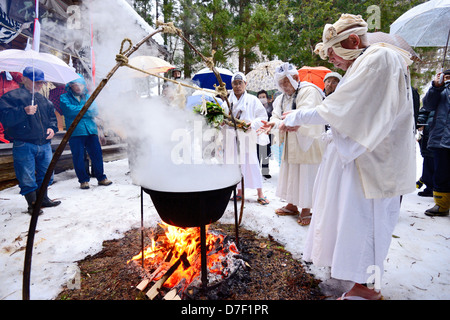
[
  {"x": 236, "y": 221},
  {"x": 203, "y": 257}
]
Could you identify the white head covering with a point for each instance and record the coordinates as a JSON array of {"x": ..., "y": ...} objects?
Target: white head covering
[
  {"x": 239, "y": 76},
  {"x": 286, "y": 70},
  {"x": 333, "y": 34},
  {"x": 332, "y": 75}
]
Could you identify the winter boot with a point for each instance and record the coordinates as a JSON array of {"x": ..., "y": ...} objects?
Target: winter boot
[
  {"x": 47, "y": 203},
  {"x": 427, "y": 192},
  {"x": 442, "y": 201},
  {"x": 31, "y": 199},
  {"x": 419, "y": 184},
  {"x": 104, "y": 182}
]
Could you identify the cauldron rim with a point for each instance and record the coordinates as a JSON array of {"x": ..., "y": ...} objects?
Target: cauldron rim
[{"x": 147, "y": 190}]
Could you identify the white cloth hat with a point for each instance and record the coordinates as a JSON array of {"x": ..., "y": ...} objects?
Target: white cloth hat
[
  {"x": 239, "y": 76},
  {"x": 332, "y": 75}
]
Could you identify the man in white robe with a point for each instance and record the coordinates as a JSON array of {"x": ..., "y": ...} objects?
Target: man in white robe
[
  {"x": 369, "y": 161},
  {"x": 248, "y": 108},
  {"x": 302, "y": 151}
]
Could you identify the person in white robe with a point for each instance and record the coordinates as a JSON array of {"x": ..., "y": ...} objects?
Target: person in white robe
[
  {"x": 302, "y": 151},
  {"x": 369, "y": 162},
  {"x": 248, "y": 108}
]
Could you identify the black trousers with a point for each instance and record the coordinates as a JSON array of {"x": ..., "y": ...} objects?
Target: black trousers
[
  {"x": 264, "y": 153},
  {"x": 441, "y": 170},
  {"x": 428, "y": 172}
]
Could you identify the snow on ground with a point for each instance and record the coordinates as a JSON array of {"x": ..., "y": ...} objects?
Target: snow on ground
[{"x": 417, "y": 266}]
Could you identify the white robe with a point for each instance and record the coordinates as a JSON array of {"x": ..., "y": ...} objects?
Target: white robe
[
  {"x": 374, "y": 107},
  {"x": 348, "y": 232},
  {"x": 356, "y": 199},
  {"x": 251, "y": 110},
  {"x": 302, "y": 151}
]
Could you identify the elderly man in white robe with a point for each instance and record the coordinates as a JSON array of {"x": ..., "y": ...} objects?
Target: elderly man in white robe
[
  {"x": 369, "y": 162},
  {"x": 302, "y": 151},
  {"x": 248, "y": 108}
]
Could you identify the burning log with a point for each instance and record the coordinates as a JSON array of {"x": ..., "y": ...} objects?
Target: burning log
[
  {"x": 154, "y": 290},
  {"x": 144, "y": 283},
  {"x": 172, "y": 295},
  {"x": 216, "y": 249}
]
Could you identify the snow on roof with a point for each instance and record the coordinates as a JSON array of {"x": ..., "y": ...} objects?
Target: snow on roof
[{"x": 142, "y": 23}]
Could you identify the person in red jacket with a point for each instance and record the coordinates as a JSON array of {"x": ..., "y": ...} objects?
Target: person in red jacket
[{"x": 8, "y": 81}]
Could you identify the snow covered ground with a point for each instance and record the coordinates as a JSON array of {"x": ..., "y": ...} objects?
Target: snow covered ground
[{"x": 417, "y": 266}]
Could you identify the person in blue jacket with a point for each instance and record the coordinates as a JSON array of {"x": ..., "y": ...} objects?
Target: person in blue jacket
[
  {"x": 85, "y": 136},
  {"x": 437, "y": 99},
  {"x": 31, "y": 126}
]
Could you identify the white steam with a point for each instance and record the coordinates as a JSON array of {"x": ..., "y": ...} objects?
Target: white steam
[{"x": 169, "y": 148}]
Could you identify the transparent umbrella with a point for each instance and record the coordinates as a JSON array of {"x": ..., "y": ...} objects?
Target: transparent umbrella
[
  {"x": 55, "y": 69},
  {"x": 393, "y": 39},
  {"x": 425, "y": 25}
]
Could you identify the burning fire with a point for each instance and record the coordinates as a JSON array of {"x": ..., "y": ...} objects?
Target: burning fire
[{"x": 165, "y": 250}]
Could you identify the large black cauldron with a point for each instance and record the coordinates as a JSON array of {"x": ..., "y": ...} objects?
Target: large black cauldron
[{"x": 191, "y": 209}]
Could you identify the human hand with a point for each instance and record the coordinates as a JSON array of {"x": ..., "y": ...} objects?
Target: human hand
[
  {"x": 283, "y": 127},
  {"x": 285, "y": 114},
  {"x": 50, "y": 133},
  {"x": 265, "y": 128},
  {"x": 30, "y": 110},
  {"x": 439, "y": 80}
]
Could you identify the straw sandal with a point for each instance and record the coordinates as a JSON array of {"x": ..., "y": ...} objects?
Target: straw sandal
[
  {"x": 283, "y": 211},
  {"x": 304, "y": 221},
  {"x": 346, "y": 297},
  {"x": 238, "y": 198}
]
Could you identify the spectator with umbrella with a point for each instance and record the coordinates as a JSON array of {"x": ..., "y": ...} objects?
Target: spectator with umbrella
[
  {"x": 437, "y": 100},
  {"x": 32, "y": 126},
  {"x": 8, "y": 81}
]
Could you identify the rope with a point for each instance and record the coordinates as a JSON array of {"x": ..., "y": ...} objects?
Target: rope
[
  {"x": 124, "y": 62},
  {"x": 209, "y": 62},
  {"x": 126, "y": 40},
  {"x": 168, "y": 27},
  {"x": 221, "y": 90}
]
